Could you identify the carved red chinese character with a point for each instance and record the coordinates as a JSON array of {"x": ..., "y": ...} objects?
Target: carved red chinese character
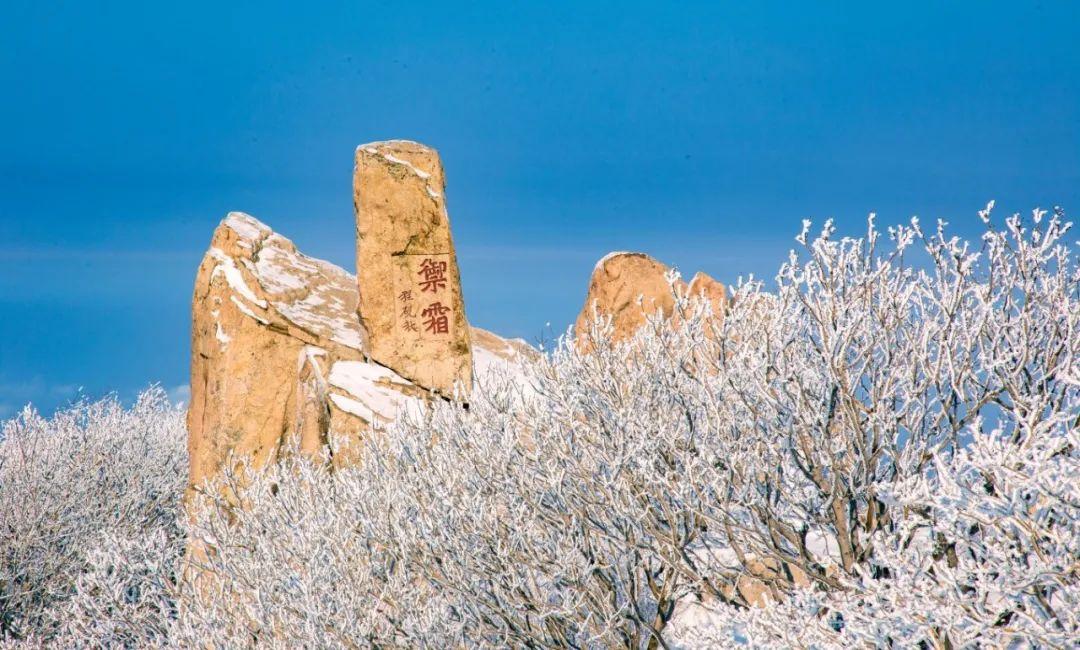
[
  {"x": 437, "y": 321},
  {"x": 434, "y": 274}
]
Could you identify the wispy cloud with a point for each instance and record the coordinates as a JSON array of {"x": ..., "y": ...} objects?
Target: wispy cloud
[
  {"x": 64, "y": 254},
  {"x": 671, "y": 250},
  {"x": 524, "y": 253},
  {"x": 15, "y": 394},
  {"x": 180, "y": 395}
]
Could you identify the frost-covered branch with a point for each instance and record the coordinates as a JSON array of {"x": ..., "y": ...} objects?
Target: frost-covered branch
[{"x": 883, "y": 451}]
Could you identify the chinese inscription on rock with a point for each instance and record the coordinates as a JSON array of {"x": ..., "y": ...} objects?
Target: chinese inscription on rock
[{"x": 422, "y": 295}]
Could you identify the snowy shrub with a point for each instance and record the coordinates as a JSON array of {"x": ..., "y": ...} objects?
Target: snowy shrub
[
  {"x": 878, "y": 453},
  {"x": 882, "y": 452},
  {"x": 924, "y": 424},
  {"x": 88, "y": 506}
]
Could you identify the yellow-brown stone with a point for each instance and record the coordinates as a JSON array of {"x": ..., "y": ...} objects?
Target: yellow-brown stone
[
  {"x": 410, "y": 306},
  {"x": 277, "y": 352}
]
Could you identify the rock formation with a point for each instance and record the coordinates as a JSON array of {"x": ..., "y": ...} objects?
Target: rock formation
[
  {"x": 410, "y": 305},
  {"x": 278, "y": 351},
  {"x": 704, "y": 286},
  {"x": 627, "y": 287},
  {"x": 630, "y": 287}
]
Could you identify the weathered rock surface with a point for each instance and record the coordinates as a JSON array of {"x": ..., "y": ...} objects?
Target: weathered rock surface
[
  {"x": 704, "y": 286},
  {"x": 410, "y": 304},
  {"x": 277, "y": 351},
  {"x": 630, "y": 287}
]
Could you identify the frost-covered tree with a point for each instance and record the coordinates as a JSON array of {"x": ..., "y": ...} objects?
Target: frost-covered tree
[
  {"x": 89, "y": 501},
  {"x": 881, "y": 451},
  {"x": 917, "y": 440}
]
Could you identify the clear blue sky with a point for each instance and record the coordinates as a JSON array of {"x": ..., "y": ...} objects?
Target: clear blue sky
[{"x": 700, "y": 133}]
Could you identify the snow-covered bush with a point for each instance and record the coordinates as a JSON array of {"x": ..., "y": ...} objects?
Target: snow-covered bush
[
  {"x": 884, "y": 451},
  {"x": 88, "y": 505},
  {"x": 924, "y": 425},
  {"x": 984, "y": 551},
  {"x": 879, "y": 452}
]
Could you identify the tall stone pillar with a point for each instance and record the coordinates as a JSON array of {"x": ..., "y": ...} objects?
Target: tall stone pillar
[{"x": 410, "y": 305}]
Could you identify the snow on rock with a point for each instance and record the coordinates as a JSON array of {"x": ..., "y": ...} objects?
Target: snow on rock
[
  {"x": 247, "y": 227},
  {"x": 493, "y": 353},
  {"x": 377, "y": 388},
  {"x": 244, "y": 309},
  {"x": 227, "y": 267},
  {"x": 351, "y": 375},
  {"x": 485, "y": 361},
  {"x": 311, "y": 294},
  {"x": 353, "y": 406},
  {"x": 380, "y": 149},
  {"x": 610, "y": 256},
  {"x": 222, "y": 336}
]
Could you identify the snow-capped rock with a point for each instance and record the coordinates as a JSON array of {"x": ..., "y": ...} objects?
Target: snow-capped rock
[{"x": 277, "y": 350}]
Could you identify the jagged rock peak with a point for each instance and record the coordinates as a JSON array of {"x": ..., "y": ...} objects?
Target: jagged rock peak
[{"x": 629, "y": 287}]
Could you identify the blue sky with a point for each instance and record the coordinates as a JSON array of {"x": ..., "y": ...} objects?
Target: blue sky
[{"x": 700, "y": 133}]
